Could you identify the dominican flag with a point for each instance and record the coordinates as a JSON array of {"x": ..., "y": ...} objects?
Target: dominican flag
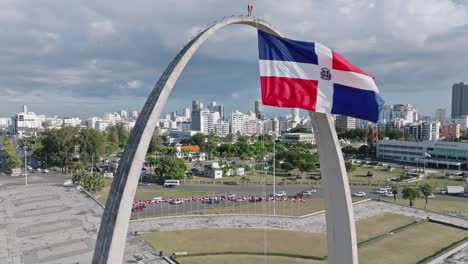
[{"x": 310, "y": 76}]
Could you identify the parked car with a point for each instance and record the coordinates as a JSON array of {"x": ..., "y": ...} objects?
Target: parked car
[
  {"x": 38, "y": 170},
  {"x": 177, "y": 202},
  {"x": 281, "y": 194},
  {"x": 359, "y": 194},
  {"x": 45, "y": 171},
  {"x": 388, "y": 194},
  {"x": 139, "y": 207},
  {"x": 308, "y": 193},
  {"x": 68, "y": 183}
]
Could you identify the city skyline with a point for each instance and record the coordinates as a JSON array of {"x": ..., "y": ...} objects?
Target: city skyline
[{"x": 112, "y": 58}]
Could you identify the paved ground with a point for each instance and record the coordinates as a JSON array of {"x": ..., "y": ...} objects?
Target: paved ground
[{"x": 48, "y": 224}]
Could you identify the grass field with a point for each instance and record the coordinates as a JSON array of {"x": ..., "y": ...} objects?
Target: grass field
[
  {"x": 407, "y": 246},
  {"x": 380, "y": 174},
  {"x": 236, "y": 259},
  {"x": 437, "y": 205},
  {"x": 411, "y": 245},
  {"x": 278, "y": 241}
]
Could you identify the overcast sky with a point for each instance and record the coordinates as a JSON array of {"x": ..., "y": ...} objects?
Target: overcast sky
[{"x": 83, "y": 58}]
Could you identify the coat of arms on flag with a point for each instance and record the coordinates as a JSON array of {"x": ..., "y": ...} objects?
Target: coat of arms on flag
[{"x": 310, "y": 76}]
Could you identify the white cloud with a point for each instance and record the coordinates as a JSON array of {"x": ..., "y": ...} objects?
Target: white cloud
[
  {"x": 101, "y": 29},
  {"x": 134, "y": 84}
]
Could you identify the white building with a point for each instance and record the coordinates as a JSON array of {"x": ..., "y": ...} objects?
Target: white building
[
  {"x": 299, "y": 137},
  {"x": 186, "y": 113},
  {"x": 5, "y": 122},
  {"x": 222, "y": 128},
  {"x": 237, "y": 122},
  {"x": 112, "y": 118},
  {"x": 439, "y": 154},
  {"x": 345, "y": 122},
  {"x": 102, "y": 125},
  {"x": 135, "y": 114},
  {"x": 124, "y": 114},
  {"x": 71, "y": 122},
  {"x": 27, "y": 122},
  {"x": 204, "y": 120},
  {"x": 253, "y": 127}
]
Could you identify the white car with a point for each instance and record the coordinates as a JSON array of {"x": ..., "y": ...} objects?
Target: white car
[
  {"x": 39, "y": 170},
  {"x": 45, "y": 171},
  {"x": 68, "y": 183},
  {"x": 177, "y": 202},
  {"x": 281, "y": 194},
  {"x": 388, "y": 194},
  {"x": 431, "y": 196},
  {"x": 359, "y": 194}
]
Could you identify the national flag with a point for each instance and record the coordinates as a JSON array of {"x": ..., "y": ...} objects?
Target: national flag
[{"x": 310, "y": 76}]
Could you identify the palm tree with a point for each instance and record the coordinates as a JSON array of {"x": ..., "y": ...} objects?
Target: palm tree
[
  {"x": 394, "y": 192},
  {"x": 426, "y": 189},
  {"x": 411, "y": 193}
]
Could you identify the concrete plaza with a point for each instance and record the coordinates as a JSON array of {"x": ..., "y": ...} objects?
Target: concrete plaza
[{"x": 52, "y": 224}]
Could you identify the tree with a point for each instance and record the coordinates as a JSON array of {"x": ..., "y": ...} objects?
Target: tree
[
  {"x": 426, "y": 190},
  {"x": 349, "y": 166},
  {"x": 12, "y": 157},
  {"x": 169, "y": 168},
  {"x": 60, "y": 146},
  {"x": 92, "y": 182},
  {"x": 410, "y": 193},
  {"x": 198, "y": 139},
  {"x": 305, "y": 166},
  {"x": 349, "y": 150},
  {"x": 156, "y": 145},
  {"x": 91, "y": 144},
  {"x": 287, "y": 166},
  {"x": 394, "y": 191}
]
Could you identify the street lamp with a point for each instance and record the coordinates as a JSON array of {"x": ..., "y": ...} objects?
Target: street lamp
[
  {"x": 26, "y": 165},
  {"x": 274, "y": 171}
]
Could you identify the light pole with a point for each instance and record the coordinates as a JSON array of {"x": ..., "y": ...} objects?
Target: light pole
[
  {"x": 274, "y": 175},
  {"x": 26, "y": 165}
]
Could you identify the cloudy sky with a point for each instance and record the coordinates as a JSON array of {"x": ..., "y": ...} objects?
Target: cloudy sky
[{"x": 80, "y": 58}]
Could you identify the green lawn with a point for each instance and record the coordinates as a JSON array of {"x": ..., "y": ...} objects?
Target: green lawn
[
  {"x": 436, "y": 205},
  {"x": 407, "y": 246},
  {"x": 278, "y": 241},
  {"x": 439, "y": 181},
  {"x": 251, "y": 259},
  {"x": 379, "y": 174},
  {"x": 411, "y": 245}
]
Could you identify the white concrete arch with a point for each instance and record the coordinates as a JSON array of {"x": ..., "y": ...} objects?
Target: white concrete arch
[{"x": 112, "y": 235}]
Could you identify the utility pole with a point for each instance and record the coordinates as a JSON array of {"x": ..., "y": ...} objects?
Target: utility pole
[
  {"x": 274, "y": 174},
  {"x": 26, "y": 165}
]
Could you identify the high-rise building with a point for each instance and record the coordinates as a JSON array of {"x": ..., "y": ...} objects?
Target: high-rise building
[
  {"x": 459, "y": 100},
  {"x": 196, "y": 104},
  {"x": 134, "y": 114},
  {"x": 124, "y": 114},
  {"x": 222, "y": 128},
  {"x": 440, "y": 114},
  {"x": 217, "y": 108},
  {"x": 204, "y": 120},
  {"x": 295, "y": 115},
  {"x": 237, "y": 122},
  {"x": 259, "y": 109},
  {"x": 429, "y": 131},
  {"x": 345, "y": 122},
  {"x": 186, "y": 113},
  {"x": 450, "y": 131}
]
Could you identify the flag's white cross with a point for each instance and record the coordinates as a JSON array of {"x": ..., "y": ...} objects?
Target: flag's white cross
[{"x": 306, "y": 71}]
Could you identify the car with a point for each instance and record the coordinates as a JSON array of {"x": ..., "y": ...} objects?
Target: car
[
  {"x": 157, "y": 198},
  {"x": 431, "y": 196},
  {"x": 359, "y": 194},
  {"x": 177, "y": 201},
  {"x": 139, "y": 207},
  {"x": 38, "y": 169},
  {"x": 388, "y": 194},
  {"x": 29, "y": 167},
  {"x": 307, "y": 193},
  {"x": 281, "y": 194},
  {"x": 68, "y": 183},
  {"x": 45, "y": 171}
]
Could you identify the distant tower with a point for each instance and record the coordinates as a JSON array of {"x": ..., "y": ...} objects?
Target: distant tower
[
  {"x": 25, "y": 108},
  {"x": 259, "y": 109}
]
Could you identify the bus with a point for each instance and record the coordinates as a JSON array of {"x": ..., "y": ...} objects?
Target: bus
[{"x": 171, "y": 183}]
